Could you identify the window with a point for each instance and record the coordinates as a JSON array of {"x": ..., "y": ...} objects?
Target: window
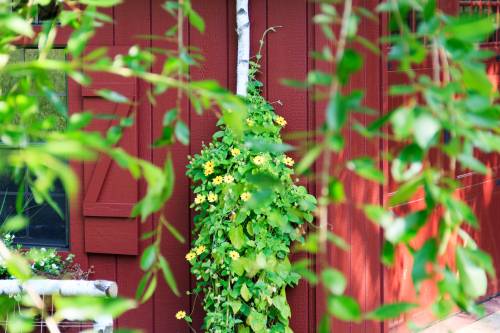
[
  {"x": 47, "y": 227},
  {"x": 483, "y": 8},
  {"x": 42, "y": 13}
]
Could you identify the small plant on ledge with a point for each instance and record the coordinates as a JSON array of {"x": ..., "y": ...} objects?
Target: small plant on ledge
[
  {"x": 45, "y": 262},
  {"x": 244, "y": 230}
]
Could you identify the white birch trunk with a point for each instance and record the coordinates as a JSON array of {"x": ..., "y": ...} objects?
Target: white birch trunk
[{"x": 243, "y": 62}]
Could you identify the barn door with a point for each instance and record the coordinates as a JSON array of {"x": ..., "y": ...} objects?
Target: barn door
[{"x": 109, "y": 191}]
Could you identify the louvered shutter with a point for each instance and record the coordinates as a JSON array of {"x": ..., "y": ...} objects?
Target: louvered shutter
[{"x": 109, "y": 191}]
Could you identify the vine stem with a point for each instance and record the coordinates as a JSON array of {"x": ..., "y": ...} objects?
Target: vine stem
[{"x": 327, "y": 156}]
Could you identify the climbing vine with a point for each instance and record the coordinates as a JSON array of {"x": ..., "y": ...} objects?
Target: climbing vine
[{"x": 250, "y": 211}]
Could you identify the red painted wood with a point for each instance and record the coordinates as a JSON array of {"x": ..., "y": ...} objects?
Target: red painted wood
[
  {"x": 290, "y": 43},
  {"x": 177, "y": 211},
  {"x": 110, "y": 191},
  {"x": 132, "y": 19}
]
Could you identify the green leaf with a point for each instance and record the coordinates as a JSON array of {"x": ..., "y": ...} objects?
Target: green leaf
[
  {"x": 196, "y": 20},
  {"x": 235, "y": 121},
  {"x": 90, "y": 307},
  {"x": 14, "y": 224},
  {"x": 245, "y": 293},
  {"x": 476, "y": 79},
  {"x": 237, "y": 236},
  {"x": 281, "y": 304},
  {"x": 336, "y": 191},
  {"x": 350, "y": 63},
  {"x": 257, "y": 321},
  {"x": 112, "y": 96},
  {"x": 182, "y": 132},
  {"x": 148, "y": 257},
  {"x": 406, "y": 191},
  {"x": 366, "y": 168},
  {"x": 17, "y": 24},
  {"x": 470, "y": 29},
  {"x": 334, "y": 281},
  {"x": 426, "y": 129},
  {"x": 427, "y": 253},
  {"x": 168, "y": 275},
  {"x": 308, "y": 160},
  {"x": 101, "y": 3},
  {"x": 472, "y": 276},
  {"x": 336, "y": 113},
  {"x": 170, "y": 116},
  {"x": 344, "y": 308},
  {"x": 472, "y": 163},
  {"x": 235, "y": 305},
  {"x": 390, "y": 311},
  {"x": 404, "y": 229}
]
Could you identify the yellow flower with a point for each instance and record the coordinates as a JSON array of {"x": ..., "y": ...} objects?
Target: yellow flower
[
  {"x": 190, "y": 256},
  {"x": 234, "y": 255},
  {"x": 217, "y": 180},
  {"x": 209, "y": 171},
  {"x": 209, "y": 165},
  {"x": 228, "y": 179},
  {"x": 281, "y": 121},
  {"x": 250, "y": 122},
  {"x": 200, "y": 249},
  {"x": 199, "y": 199},
  {"x": 209, "y": 168},
  {"x": 259, "y": 160},
  {"x": 288, "y": 161},
  {"x": 245, "y": 196},
  {"x": 235, "y": 151},
  {"x": 180, "y": 315},
  {"x": 212, "y": 197}
]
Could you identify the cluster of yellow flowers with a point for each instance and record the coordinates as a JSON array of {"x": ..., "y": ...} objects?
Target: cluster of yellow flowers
[
  {"x": 209, "y": 168},
  {"x": 228, "y": 179},
  {"x": 288, "y": 161},
  {"x": 281, "y": 121},
  {"x": 195, "y": 252}
]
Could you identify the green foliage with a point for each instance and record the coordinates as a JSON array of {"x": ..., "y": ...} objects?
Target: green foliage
[
  {"x": 452, "y": 113},
  {"x": 249, "y": 213}
]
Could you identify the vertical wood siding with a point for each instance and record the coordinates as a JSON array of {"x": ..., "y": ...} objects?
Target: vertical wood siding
[{"x": 286, "y": 55}]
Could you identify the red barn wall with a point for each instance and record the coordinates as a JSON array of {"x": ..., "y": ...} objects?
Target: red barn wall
[{"x": 109, "y": 242}]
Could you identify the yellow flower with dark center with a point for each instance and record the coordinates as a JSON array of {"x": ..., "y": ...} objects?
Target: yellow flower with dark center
[
  {"x": 250, "y": 122},
  {"x": 190, "y": 256},
  {"x": 180, "y": 315},
  {"x": 199, "y": 199},
  {"x": 259, "y": 160},
  {"x": 235, "y": 151},
  {"x": 234, "y": 255},
  {"x": 228, "y": 179},
  {"x": 217, "y": 180},
  {"x": 281, "y": 121},
  {"x": 209, "y": 165},
  {"x": 208, "y": 168},
  {"x": 245, "y": 196},
  {"x": 212, "y": 197},
  {"x": 209, "y": 171},
  {"x": 200, "y": 249},
  {"x": 288, "y": 161}
]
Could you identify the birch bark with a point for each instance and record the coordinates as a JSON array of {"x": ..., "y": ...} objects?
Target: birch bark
[{"x": 243, "y": 62}]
